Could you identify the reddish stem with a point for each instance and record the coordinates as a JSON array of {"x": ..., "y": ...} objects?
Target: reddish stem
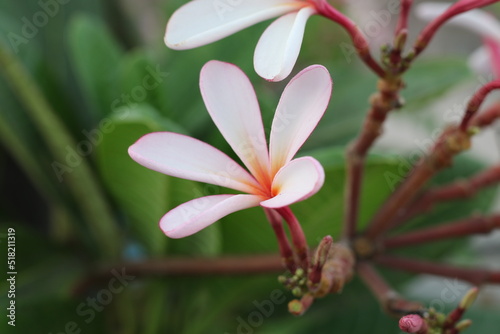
[
  {"x": 474, "y": 276},
  {"x": 387, "y": 297},
  {"x": 456, "y": 190},
  {"x": 187, "y": 266},
  {"x": 487, "y": 117},
  {"x": 459, "y": 7},
  {"x": 298, "y": 237},
  {"x": 460, "y": 228},
  {"x": 382, "y": 103},
  {"x": 403, "y": 16},
  {"x": 450, "y": 143},
  {"x": 284, "y": 246},
  {"x": 358, "y": 39},
  {"x": 476, "y": 102}
]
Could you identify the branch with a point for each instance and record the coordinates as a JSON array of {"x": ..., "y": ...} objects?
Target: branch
[
  {"x": 457, "y": 190},
  {"x": 387, "y": 297},
  {"x": 381, "y": 104},
  {"x": 455, "y": 229},
  {"x": 358, "y": 39},
  {"x": 487, "y": 117},
  {"x": 450, "y": 143},
  {"x": 471, "y": 275},
  {"x": 403, "y": 16},
  {"x": 187, "y": 266},
  {"x": 476, "y": 101},
  {"x": 459, "y": 7}
]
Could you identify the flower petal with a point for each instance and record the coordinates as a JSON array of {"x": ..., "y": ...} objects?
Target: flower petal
[
  {"x": 188, "y": 158},
  {"x": 279, "y": 46},
  {"x": 201, "y": 22},
  {"x": 493, "y": 46},
  {"x": 233, "y": 106},
  {"x": 296, "y": 181},
  {"x": 478, "y": 21},
  {"x": 195, "y": 215},
  {"x": 479, "y": 61},
  {"x": 301, "y": 106}
]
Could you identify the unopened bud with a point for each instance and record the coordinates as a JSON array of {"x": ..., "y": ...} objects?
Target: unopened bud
[
  {"x": 463, "y": 325},
  {"x": 299, "y": 307},
  {"x": 322, "y": 251},
  {"x": 297, "y": 292},
  {"x": 412, "y": 323},
  {"x": 400, "y": 40},
  {"x": 469, "y": 298}
]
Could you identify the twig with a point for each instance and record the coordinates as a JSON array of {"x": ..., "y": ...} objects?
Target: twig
[
  {"x": 474, "y": 225},
  {"x": 457, "y": 190},
  {"x": 475, "y": 276},
  {"x": 450, "y": 143},
  {"x": 457, "y": 8},
  {"x": 186, "y": 266},
  {"x": 382, "y": 103},
  {"x": 487, "y": 117},
  {"x": 476, "y": 101},
  {"x": 358, "y": 39},
  {"x": 387, "y": 297},
  {"x": 404, "y": 13}
]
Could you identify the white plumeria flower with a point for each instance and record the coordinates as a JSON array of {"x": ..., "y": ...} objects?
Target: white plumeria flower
[
  {"x": 273, "y": 180},
  {"x": 201, "y": 22},
  {"x": 484, "y": 59}
]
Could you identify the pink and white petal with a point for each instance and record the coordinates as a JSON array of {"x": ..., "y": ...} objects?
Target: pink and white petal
[
  {"x": 201, "y": 22},
  {"x": 479, "y": 21},
  {"x": 193, "y": 216},
  {"x": 301, "y": 107},
  {"x": 296, "y": 181},
  {"x": 188, "y": 158},
  {"x": 279, "y": 46},
  {"x": 493, "y": 46},
  {"x": 480, "y": 61},
  {"x": 233, "y": 106}
]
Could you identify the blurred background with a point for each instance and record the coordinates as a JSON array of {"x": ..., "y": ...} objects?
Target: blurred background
[{"x": 80, "y": 81}]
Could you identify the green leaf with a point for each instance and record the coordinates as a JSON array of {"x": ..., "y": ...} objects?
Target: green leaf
[
  {"x": 141, "y": 193},
  {"x": 94, "y": 56},
  {"x": 422, "y": 89}
]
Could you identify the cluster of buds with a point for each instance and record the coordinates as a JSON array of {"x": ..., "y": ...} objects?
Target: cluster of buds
[
  {"x": 330, "y": 269},
  {"x": 433, "y": 322}
]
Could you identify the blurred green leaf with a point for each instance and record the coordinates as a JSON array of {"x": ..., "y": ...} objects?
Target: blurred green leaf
[
  {"x": 94, "y": 56},
  {"x": 140, "y": 192},
  {"x": 421, "y": 79}
]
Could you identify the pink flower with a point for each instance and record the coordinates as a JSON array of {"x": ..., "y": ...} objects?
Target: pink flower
[
  {"x": 485, "y": 59},
  {"x": 201, "y": 22},
  {"x": 273, "y": 180}
]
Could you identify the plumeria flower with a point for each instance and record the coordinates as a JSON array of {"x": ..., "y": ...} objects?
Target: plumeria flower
[
  {"x": 485, "y": 59},
  {"x": 273, "y": 179},
  {"x": 201, "y": 22}
]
